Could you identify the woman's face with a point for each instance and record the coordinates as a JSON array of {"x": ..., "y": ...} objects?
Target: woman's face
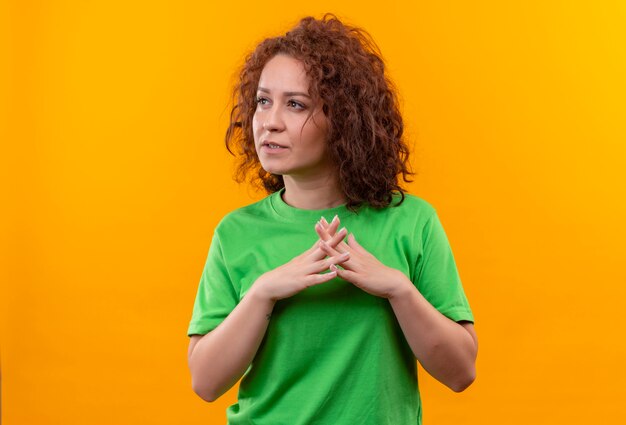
[{"x": 290, "y": 128}]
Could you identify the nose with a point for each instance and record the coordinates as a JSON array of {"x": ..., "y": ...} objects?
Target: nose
[{"x": 273, "y": 120}]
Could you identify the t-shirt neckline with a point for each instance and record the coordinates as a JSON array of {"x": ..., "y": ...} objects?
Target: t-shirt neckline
[{"x": 287, "y": 211}]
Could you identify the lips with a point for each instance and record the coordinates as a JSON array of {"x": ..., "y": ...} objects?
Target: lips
[{"x": 272, "y": 145}]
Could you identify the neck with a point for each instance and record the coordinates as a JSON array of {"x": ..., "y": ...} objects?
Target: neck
[{"x": 316, "y": 194}]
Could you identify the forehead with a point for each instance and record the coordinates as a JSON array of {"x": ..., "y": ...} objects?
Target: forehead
[{"x": 284, "y": 73}]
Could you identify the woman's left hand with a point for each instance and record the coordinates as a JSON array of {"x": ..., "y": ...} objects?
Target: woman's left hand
[{"x": 362, "y": 269}]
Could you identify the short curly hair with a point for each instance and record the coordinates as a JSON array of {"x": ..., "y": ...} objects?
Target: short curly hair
[{"x": 347, "y": 73}]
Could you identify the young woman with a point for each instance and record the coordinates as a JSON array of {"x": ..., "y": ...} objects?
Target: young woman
[{"x": 323, "y": 294}]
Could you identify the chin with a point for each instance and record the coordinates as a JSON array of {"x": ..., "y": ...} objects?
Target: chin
[{"x": 273, "y": 170}]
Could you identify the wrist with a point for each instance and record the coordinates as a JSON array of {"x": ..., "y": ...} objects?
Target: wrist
[
  {"x": 402, "y": 287},
  {"x": 259, "y": 296}
]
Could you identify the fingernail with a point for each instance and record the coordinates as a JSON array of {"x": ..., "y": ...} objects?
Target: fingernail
[
  {"x": 343, "y": 229},
  {"x": 335, "y": 218},
  {"x": 323, "y": 219},
  {"x": 333, "y": 268}
]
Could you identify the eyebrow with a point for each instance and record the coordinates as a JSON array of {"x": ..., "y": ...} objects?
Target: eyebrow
[{"x": 287, "y": 93}]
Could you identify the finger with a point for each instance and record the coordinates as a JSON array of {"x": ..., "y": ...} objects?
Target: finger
[
  {"x": 316, "y": 252},
  {"x": 337, "y": 238},
  {"x": 321, "y": 232},
  {"x": 330, "y": 239},
  {"x": 321, "y": 265},
  {"x": 325, "y": 236},
  {"x": 312, "y": 251},
  {"x": 316, "y": 279},
  {"x": 320, "y": 249},
  {"x": 333, "y": 226},
  {"x": 334, "y": 221},
  {"x": 329, "y": 250},
  {"x": 348, "y": 275},
  {"x": 322, "y": 226},
  {"x": 331, "y": 232},
  {"x": 355, "y": 245},
  {"x": 348, "y": 264},
  {"x": 342, "y": 246}
]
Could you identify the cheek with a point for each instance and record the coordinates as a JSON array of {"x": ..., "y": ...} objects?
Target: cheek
[
  {"x": 256, "y": 132},
  {"x": 316, "y": 133},
  {"x": 255, "y": 125}
]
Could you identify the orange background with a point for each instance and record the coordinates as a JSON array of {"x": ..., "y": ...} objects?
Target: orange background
[{"x": 114, "y": 174}]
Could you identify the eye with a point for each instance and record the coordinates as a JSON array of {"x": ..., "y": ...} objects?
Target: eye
[
  {"x": 262, "y": 100},
  {"x": 296, "y": 105}
]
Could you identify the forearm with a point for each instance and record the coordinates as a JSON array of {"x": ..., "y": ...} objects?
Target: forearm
[
  {"x": 222, "y": 356},
  {"x": 443, "y": 347}
]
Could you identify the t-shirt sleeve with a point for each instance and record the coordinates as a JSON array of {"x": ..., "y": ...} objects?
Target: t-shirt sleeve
[
  {"x": 437, "y": 277},
  {"x": 216, "y": 296}
]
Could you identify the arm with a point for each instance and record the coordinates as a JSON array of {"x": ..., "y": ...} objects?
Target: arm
[
  {"x": 446, "y": 349},
  {"x": 218, "y": 359}
]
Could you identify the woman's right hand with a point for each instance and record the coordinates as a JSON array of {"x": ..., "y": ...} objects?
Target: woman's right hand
[
  {"x": 301, "y": 272},
  {"x": 218, "y": 359}
]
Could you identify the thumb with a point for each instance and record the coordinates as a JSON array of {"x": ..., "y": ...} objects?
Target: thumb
[{"x": 348, "y": 275}]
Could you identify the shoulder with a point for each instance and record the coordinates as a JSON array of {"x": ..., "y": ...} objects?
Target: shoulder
[
  {"x": 402, "y": 219},
  {"x": 415, "y": 203},
  {"x": 411, "y": 208},
  {"x": 245, "y": 216}
]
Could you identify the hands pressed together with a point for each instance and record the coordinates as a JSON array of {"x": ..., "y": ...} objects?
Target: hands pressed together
[{"x": 348, "y": 260}]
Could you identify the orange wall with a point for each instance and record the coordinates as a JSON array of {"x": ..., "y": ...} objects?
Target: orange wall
[{"x": 114, "y": 174}]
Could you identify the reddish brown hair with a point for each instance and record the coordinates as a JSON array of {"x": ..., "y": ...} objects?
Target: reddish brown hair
[{"x": 347, "y": 75}]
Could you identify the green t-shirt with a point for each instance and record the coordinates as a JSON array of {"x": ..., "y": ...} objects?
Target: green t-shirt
[{"x": 332, "y": 354}]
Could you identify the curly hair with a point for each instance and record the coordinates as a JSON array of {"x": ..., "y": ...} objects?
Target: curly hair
[{"x": 347, "y": 74}]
